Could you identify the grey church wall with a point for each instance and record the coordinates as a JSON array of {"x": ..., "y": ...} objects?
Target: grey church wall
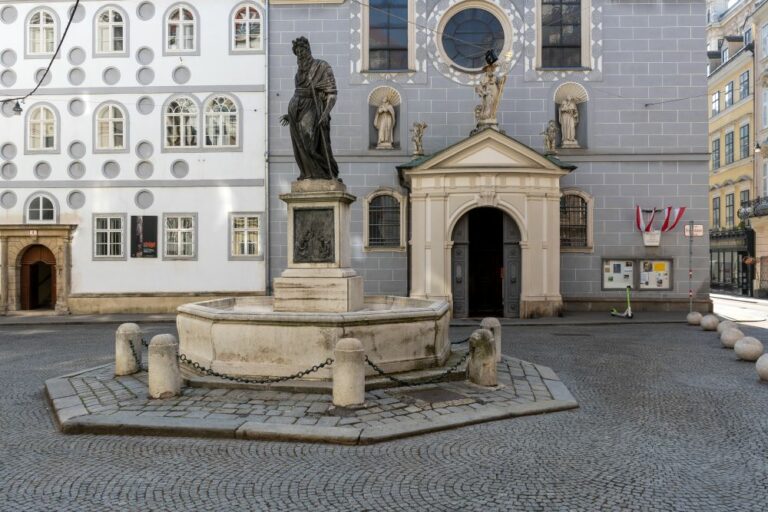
[{"x": 650, "y": 53}]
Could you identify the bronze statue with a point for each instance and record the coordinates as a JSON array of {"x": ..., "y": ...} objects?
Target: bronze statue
[{"x": 309, "y": 115}]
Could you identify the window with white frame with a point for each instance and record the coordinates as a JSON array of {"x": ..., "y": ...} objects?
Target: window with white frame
[
  {"x": 244, "y": 235},
  {"x": 246, "y": 29},
  {"x": 110, "y": 31},
  {"x": 765, "y": 108},
  {"x": 110, "y": 128},
  {"x": 181, "y": 27},
  {"x": 561, "y": 34},
  {"x": 41, "y": 129},
  {"x": 726, "y": 54},
  {"x": 108, "y": 236},
  {"x": 41, "y": 33},
  {"x": 180, "y": 236},
  {"x": 716, "y": 103},
  {"x": 221, "y": 122},
  {"x": 181, "y": 121},
  {"x": 41, "y": 209}
]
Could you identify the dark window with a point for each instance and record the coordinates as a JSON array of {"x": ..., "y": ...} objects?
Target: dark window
[
  {"x": 388, "y": 35},
  {"x": 747, "y": 36},
  {"x": 384, "y": 222},
  {"x": 728, "y": 148},
  {"x": 744, "y": 141},
  {"x": 715, "y": 212},
  {"x": 716, "y": 154},
  {"x": 744, "y": 85},
  {"x": 729, "y": 210},
  {"x": 561, "y": 33},
  {"x": 716, "y": 103},
  {"x": 728, "y": 94},
  {"x": 573, "y": 221},
  {"x": 743, "y": 198},
  {"x": 469, "y": 34}
]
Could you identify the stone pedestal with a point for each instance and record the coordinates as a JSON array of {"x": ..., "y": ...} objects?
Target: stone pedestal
[{"x": 319, "y": 277}]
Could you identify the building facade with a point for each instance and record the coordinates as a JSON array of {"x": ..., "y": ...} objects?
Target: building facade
[
  {"x": 488, "y": 221},
  {"x": 135, "y": 178}
]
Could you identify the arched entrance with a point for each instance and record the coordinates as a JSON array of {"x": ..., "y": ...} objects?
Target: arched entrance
[
  {"x": 38, "y": 278},
  {"x": 485, "y": 265}
]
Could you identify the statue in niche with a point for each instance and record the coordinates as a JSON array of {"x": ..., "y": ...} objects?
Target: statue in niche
[
  {"x": 309, "y": 115},
  {"x": 569, "y": 120},
  {"x": 418, "y": 133},
  {"x": 489, "y": 89},
  {"x": 550, "y": 138},
  {"x": 384, "y": 122}
]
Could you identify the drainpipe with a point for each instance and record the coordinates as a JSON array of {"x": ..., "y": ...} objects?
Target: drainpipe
[{"x": 267, "y": 237}]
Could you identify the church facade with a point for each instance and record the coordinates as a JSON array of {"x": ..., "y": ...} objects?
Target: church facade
[{"x": 492, "y": 219}]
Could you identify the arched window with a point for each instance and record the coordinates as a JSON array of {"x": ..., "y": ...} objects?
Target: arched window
[
  {"x": 41, "y": 209},
  {"x": 181, "y": 27},
  {"x": 41, "y": 33},
  {"x": 246, "y": 29},
  {"x": 110, "y": 31},
  {"x": 181, "y": 123},
  {"x": 575, "y": 221},
  {"x": 221, "y": 122},
  {"x": 110, "y": 128},
  {"x": 41, "y": 129},
  {"x": 384, "y": 221}
]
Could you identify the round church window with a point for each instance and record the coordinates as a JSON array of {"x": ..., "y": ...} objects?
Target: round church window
[{"x": 469, "y": 34}]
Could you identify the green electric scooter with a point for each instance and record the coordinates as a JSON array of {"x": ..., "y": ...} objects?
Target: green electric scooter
[{"x": 628, "y": 312}]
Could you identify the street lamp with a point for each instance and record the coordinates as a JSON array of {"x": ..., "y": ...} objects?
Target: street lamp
[
  {"x": 17, "y": 108},
  {"x": 757, "y": 147}
]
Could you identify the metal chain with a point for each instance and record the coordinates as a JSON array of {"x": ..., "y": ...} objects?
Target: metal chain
[
  {"x": 136, "y": 356},
  {"x": 269, "y": 380},
  {"x": 433, "y": 380},
  {"x": 460, "y": 341}
]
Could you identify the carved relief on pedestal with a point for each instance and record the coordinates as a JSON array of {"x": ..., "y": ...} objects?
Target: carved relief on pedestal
[{"x": 385, "y": 107}]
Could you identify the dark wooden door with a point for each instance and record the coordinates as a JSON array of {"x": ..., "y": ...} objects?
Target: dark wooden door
[
  {"x": 486, "y": 262},
  {"x": 38, "y": 278},
  {"x": 460, "y": 268},
  {"x": 512, "y": 274}
]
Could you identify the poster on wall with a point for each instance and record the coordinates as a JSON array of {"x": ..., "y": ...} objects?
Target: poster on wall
[
  {"x": 618, "y": 274},
  {"x": 143, "y": 236},
  {"x": 654, "y": 274}
]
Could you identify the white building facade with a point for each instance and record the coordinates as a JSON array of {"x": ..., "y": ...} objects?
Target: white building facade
[{"x": 135, "y": 177}]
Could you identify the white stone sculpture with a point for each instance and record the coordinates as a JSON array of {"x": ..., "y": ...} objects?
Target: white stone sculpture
[
  {"x": 730, "y": 337},
  {"x": 418, "y": 134},
  {"x": 384, "y": 122},
  {"x": 726, "y": 324},
  {"x": 550, "y": 138},
  {"x": 569, "y": 120},
  {"x": 709, "y": 323},
  {"x": 748, "y": 349},
  {"x": 762, "y": 367},
  {"x": 693, "y": 318},
  {"x": 489, "y": 89}
]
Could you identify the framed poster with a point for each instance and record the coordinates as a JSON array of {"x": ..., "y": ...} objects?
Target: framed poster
[
  {"x": 144, "y": 236},
  {"x": 618, "y": 274},
  {"x": 655, "y": 274}
]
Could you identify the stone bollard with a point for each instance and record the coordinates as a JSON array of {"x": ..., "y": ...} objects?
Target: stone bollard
[
  {"x": 709, "y": 322},
  {"x": 481, "y": 366},
  {"x": 748, "y": 349},
  {"x": 493, "y": 325},
  {"x": 693, "y": 318},
  {"x": 125, "y": 363},
  {"x": 762, "y": 367},
  {"x": 726, "y": 324},
  {"x": 348, "y": 373},
  {"x": 164, "y": 375},
  {"x": 730, "y": 337}
]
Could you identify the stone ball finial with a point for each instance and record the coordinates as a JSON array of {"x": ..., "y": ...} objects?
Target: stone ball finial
[
  {"x": 730, "y": 336},
  {"x": 748, "y": 349},
  {"x": 693, "y": 318},
  {"x": 709, "y": 322},
  {"x": 762, "y": 367},
  {"x": 726, "y": 324}
]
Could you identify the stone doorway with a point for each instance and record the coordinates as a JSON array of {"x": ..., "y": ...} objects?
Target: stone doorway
[{"x": 38, "y": 278}]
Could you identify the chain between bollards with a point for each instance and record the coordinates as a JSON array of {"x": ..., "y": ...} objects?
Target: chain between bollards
[
  {"x": 269, "y": 380},
  {"x": 433, "y": 380}
]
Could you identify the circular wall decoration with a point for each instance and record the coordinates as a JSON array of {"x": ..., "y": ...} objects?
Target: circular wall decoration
[
  {"x": 110, "y": 169},
  {"x": 8, "y": 199},
  {"x": 8, "y": 151},
  {"x": 7, "y": 108},
  {"x": 144, "y": 169},
  {"x": 145, "y": 105},
  {"x": 76, "y": 200},
  {"x": 145, "y": 55},
  {"x": 144, "y": 149},
  {"x": 145, "y": 11},
  {"x": 76, "y": 76},
  {"x": 42, "y": 170},
  {"x": 181, "y": 75},
  {"x": 79, "y": 14},
  {"x": 484, "y": 25},
  {"x": 76, "y": 56},
  {"x": 144, "y": 199},
  {"x": 8, "y": 170},
  {"x": 111, "y": 76},
  {"x": 76, "y": 150},
  {"x": 145, "y": 76},
  {"x": 8, "y": 78},
  {"x": 76, "y": 107},
  {"x": 76, "y": 170},
  {"x": 9, "y": 14},
  {"x": 8, "y": 58},
  {"x": 39, "y": 76},
  {"x": 179, "y": 169}
]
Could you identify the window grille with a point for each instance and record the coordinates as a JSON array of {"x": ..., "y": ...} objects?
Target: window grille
[
  {"x": 384, "y": 222},
  {"x": 573, "y": 221}
]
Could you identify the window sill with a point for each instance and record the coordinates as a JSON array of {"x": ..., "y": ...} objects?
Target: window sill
[
  {"x": 246, "y": 258},
  {"x": 388, "y": 71},
  {"x": 584, "y": 250},
  {"x": 393, "y": 248},
  {"x": 109, "y": 258},
  {"x": 579, "y": 68}
]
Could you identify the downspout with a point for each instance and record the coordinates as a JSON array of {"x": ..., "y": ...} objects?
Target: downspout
[{"x": 267, "y": 246}]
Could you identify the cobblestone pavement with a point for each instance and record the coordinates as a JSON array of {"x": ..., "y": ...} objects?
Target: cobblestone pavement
[{"x": 667, "y": 421}]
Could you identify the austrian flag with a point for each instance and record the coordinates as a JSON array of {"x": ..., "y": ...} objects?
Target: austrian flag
[{"x": 672, "y": 216}]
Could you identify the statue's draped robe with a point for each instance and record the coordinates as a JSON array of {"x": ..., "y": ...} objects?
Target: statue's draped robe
[
  {"x": 311, "y": 141},
  {"x": 384, "y": 122}
]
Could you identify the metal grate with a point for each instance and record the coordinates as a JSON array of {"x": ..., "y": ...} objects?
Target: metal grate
[
  {"x": 573, "y": 221},
  {"x": 384, "y": 222}
]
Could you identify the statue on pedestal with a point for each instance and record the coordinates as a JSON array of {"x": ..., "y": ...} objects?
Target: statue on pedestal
[
  {"x": 489, "y": 89},
  {"x": 309, "y": 115},
  {"x": 418, "y": 133},
  {"x": 384, "y": 122},
  {"x": 550, "y": 138},
  {"x": 569, "y": 119}
]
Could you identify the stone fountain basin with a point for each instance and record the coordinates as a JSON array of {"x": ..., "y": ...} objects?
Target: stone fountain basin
[{"x": 245, "y": 337}]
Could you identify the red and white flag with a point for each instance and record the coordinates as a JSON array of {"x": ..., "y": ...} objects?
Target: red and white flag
[
  {"x": 644, "y": 223},
  {"x": 671, "y": 217}
]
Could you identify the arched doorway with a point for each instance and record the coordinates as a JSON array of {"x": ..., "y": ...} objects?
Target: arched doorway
[
  {"x": 485, "y": 267},
  {"x": 38, "y": 278}
]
